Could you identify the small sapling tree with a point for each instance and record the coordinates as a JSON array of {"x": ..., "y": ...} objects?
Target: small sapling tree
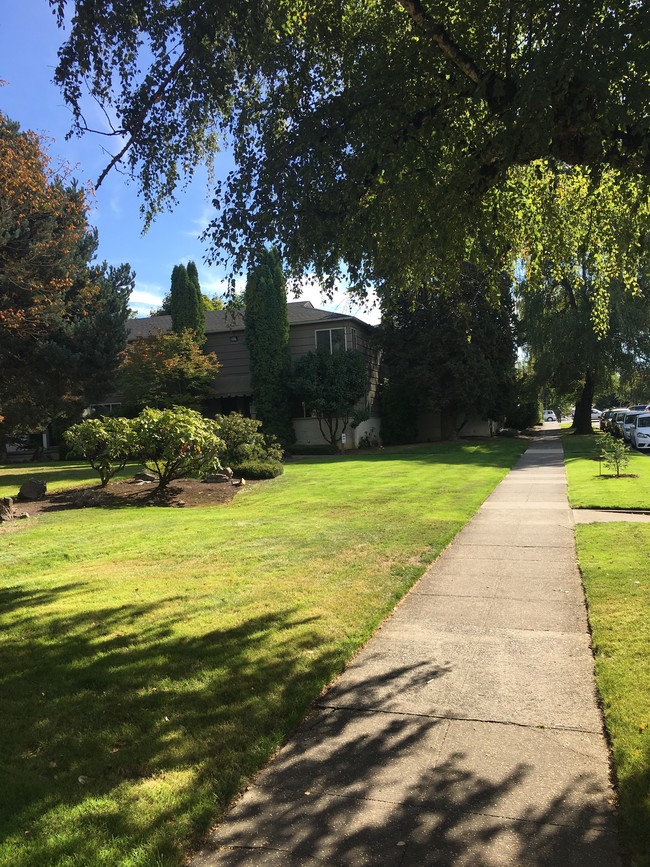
[{"x": 616, "y": 453}]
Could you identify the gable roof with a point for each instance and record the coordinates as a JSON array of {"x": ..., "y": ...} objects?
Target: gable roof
[{"x": 219, "y": 321}]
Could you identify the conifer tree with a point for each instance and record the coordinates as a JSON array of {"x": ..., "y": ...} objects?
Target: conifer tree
[
  {"x": 267, "y": 338},
  {"x": 186, "y": 306}
]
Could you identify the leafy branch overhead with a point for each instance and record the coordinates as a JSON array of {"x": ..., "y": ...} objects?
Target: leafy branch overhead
[{"x": 367, "y": 137}]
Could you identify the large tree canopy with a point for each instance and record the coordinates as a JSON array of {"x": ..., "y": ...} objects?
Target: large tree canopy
[
  {"x": 62, "y": 318},
  {"x": 367, "y": 135}
]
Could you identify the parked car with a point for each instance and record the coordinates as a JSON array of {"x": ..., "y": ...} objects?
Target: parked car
[
  {"x": 604, "y": 416},
  {"x": 640, "y": 433},
  {"x": 628, "y": 424},
  {"x": 548, "y": 415},
  {"x": 595, "y": 414},
  {"x": 616, "y": 422},
  {"x": 640, "y": 407},
  {"x": 611, "y": 419}
]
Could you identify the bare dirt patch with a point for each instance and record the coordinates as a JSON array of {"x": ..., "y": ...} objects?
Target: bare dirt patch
[{"x": 179, "y": 494}]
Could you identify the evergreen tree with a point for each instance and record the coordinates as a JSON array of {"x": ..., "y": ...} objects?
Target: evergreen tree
[
  {"x": 186, "y": 307},
  {"x": 193, "y": 275},
  {"x": 267, "y": 338}
]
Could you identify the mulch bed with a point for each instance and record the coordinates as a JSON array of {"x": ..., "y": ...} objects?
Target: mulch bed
[{"x": 180, "y": 494}]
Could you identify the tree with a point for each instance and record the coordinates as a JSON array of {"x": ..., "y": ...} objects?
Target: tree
[
  {"x": 177, "y": 442},
  {"x": 107, "y": 444},
  {"x": 185, "y": 303},
  {"x": 165, "y": 370},
  {"x": 331, "y": 385},
  {"x": 370, "y": 138},
  {"x": 267, "y": 337},
  {"x": 452, "y": 351},
  {"x": 581, "y": 321},
  {"x": 62, "y": 318}
]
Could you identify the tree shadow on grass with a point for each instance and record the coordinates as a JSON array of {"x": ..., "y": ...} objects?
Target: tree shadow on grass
[{"x": 122, "y": 735}]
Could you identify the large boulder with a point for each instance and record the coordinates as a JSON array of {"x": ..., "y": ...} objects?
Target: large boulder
[{"x": 32, "y": 489}]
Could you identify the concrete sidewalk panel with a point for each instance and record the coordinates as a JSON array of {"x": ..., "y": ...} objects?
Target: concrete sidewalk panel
[
  {"x": 357, "y": 754},
  {"x": 309, "y": 826},
  {"x": 525, "y": 773},
  {"x": 420, "y": 615},
  {"x": 401, "y": 675},
  {"x": 514, "y": 553},
  {"x": 522, "y": 677},
  {"x": 477, "y": 840},
  {"x": 454, "y": 582},
  {"x": 517, "y": 535},
  {"x": 543, "y": 615},
  {"x": 530, "y": 678},
  {"x": 435, "y": 614}
]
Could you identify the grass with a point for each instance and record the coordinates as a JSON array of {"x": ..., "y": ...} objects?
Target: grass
[
  {"x": 615, "y": 563},
  {"x": 58, "y": 476},
  {"x": 588, "y": 490},
  {"x": 152, "y": 659}
]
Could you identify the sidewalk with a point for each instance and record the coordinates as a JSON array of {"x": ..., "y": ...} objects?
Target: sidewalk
[{"x": 466, "y": 733}]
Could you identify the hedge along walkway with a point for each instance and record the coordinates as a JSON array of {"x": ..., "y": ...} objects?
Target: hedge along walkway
[{"x": 467, "y": 731}]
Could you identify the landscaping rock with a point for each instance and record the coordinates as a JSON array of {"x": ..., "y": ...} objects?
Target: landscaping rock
[
  {"x": 228, "y": 472},
  {"x": 32, "y": 489},
  {"x": 145, "y": 477},
  {"x": 6, "y": 509},
  {"x": 217, "y": 477}
]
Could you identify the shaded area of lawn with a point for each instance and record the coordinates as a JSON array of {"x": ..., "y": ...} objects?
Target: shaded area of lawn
[
  {"x": 615, "y": 562},
  {"x": 589, "y": 490},
  {"x": 58, "y": 475},
  {"x": 152, "y": 659}
]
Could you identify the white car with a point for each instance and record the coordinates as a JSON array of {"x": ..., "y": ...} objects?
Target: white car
[
  {"x": 595, "y": 414},
  {"x": 628, "y": 424},
  {"x": 548, "y": 415},
  {"x": 640, "y": 433}
]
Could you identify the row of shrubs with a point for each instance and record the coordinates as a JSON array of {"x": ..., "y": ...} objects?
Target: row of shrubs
[{"x": 176, "y": 443}]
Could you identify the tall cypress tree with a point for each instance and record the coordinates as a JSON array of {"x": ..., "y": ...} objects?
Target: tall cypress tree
[
  {"x": 186, "y": 306},
  {"x": 193, "y": 275},
  {"x": 267, "y": 338}
]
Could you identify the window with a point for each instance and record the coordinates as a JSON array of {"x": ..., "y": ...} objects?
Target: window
[{"x": 331, "y": 339}]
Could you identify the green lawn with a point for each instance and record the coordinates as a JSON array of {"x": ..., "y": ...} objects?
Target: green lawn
[
  {"x": 615, "y": 563},
  {"x": 151, "y": 659},
  {"x": 589, "y": 490},
  {"x": 58, "y": 476}
]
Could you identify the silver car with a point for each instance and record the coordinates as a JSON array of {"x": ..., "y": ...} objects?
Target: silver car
[
  {"x": 628, "y": 424},
  {"x": 640, "y": 433}
]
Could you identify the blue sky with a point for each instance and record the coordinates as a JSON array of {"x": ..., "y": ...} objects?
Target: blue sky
[{"x": 29, "y": 39}]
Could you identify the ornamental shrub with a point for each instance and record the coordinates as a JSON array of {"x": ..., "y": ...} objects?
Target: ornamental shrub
[
  {"x": 178, "y": 442},
  {"x": 244, "y": 441},
  {"x": 106, "y": 443}
]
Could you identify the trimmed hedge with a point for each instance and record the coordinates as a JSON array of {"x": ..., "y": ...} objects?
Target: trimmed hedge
[{"x": 258, "y": 469}]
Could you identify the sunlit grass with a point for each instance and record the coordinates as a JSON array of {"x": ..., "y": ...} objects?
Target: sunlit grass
[
  {"x": 589, "y": 489},
  {"x": 152, "y": 659},
  {"x": 615, "y": 563}
]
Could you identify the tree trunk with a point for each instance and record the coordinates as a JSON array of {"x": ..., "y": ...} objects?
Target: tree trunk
[
  {"x": 582, "y": 417},
  {"x": 448, "y": 423}
]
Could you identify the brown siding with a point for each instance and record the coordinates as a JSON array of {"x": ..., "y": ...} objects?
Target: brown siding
[{"x": 234, "y": 377}]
